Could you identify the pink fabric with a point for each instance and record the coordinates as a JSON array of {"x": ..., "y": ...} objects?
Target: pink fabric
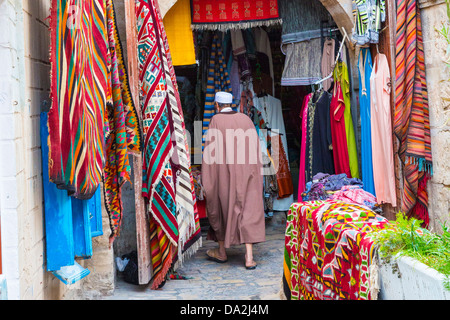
[
  {"x": 382, "y": 146},
  {"x": 354, "y": 194},
  {"x": 304, "y": 124}
]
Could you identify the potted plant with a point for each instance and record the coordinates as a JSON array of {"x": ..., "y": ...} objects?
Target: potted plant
[{"x": 414, "y": 263}]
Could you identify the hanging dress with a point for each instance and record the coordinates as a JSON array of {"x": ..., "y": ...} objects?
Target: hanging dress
[
  {"x": 271, "y": 110},
  {"x": 340, "y": 75},
  {"x": 304, "y": 125},
  {"x": 382, "y": 147},
  {"x": 338, "y": 135},
  {"x": 365, "y": 70},
  {"x": 318, "y": 143}
]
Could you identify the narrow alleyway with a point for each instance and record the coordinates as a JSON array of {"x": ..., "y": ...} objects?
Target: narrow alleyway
[{"x": 228, "y": 281}]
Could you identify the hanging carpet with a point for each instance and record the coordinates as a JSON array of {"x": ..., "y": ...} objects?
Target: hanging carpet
[
  {"x": 328, "y": 255},
  {"x": 78, "y": 89},
  {"x": 167, "y": 180},
  {"x": 411, "y": 115},
  {"x": 233, "y": 14},
  {"x": 185, "y": 198},
  {"x": 122, "y": 135}
]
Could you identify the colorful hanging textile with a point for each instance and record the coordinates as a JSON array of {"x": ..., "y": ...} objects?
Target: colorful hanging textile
[
  {"x": 340, "y": 74},
  {"x": 157, "y": 186},
  {"x": 177, "y": 23},
  {"x": 411, "y": 115},
  {"x": 302, "y": 167},
  {"x": 168, "y": 183},
  {"x": 368, "y": 15},
  {"x": 187, "y": 212},
  {"x": 218, "y": 80},
  {"x": 123, "y": 132},
  {"x": 338, "y": 133},
  {"x": 328, "y": 255},
  {"x": 364, "y": 72},
  {"x": 78, "y": 88},
  {"x": 233, "y": 14}
]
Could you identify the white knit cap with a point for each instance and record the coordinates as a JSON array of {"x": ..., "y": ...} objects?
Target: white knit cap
[{"x": 224, "y": 97}]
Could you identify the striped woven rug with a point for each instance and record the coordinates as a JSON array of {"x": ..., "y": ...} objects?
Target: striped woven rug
[
  {"x": 411, "y": 117},
  {"x": 218, "y": 80},
  {"x": 78, "y": 56}
]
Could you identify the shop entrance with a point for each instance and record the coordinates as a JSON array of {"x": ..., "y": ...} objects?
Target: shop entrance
[{"x": 267, "y": 78}]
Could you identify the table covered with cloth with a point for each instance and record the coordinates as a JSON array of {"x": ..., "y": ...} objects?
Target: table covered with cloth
[{"x": 328, "y": 252}]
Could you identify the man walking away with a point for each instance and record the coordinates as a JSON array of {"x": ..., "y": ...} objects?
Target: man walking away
[{"x": 233, "y": 182}]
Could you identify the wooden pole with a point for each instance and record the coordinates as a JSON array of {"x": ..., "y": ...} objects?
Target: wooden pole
[{"x": 142, "y": 223}]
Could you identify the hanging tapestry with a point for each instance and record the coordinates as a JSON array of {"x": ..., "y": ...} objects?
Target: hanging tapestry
[
  {"x": 187, "y": 213},
  {"x": 122, "y": 134},
  {"x": 233, "y": 14},
  {"x": 157, "y": 186},
  {"x": 411, "y": 115},
  {"x": 78, "y": 88},
  {"x": 328, "y": 254},
  {"x": 168, "y": 184},
  {"x": 218, "y": 80}
]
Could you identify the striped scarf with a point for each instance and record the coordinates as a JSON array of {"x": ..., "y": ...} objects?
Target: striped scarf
[
  {"x": 218, "y": 80},
  {"x": 411, "y": 117},
  {"x": 78, "y": 55}
]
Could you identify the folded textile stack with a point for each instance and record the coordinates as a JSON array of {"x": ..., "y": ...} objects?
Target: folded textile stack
[{"x": 328, "y": 253}]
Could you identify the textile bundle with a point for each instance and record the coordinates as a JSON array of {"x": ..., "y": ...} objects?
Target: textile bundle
[
  {"x": 167, "y": 181},
  {"x": 411, "y": 116},
  {"x": 218, "y": 80},
  {"x": 328, "y": 254},
  {"x": 78, "y": 90},
  {"x": 233, "y": 14},
  {"x": 122, "y": 134}
]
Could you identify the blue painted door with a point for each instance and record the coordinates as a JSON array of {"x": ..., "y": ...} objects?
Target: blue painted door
[{"x": 58, "y": 214}]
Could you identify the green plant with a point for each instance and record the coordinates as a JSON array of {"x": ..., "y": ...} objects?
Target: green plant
[{"x": 405, "y": 237}]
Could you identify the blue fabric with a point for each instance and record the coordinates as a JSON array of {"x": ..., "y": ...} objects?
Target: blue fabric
[{"x": 364, "y": 101}]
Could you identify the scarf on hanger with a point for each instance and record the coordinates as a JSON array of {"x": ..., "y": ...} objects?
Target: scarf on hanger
[
  {"x": 123, "y": 132},
  {"x": 411, "y": 116},
  {"x": 78, "y": 87}
]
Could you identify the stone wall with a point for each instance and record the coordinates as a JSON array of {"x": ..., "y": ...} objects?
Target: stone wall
[
  {"x": 434, "y": 16},
  {"x": 24, "y": 90}
]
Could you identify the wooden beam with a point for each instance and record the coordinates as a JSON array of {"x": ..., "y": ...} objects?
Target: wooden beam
[{"x": 142, "y": 223}]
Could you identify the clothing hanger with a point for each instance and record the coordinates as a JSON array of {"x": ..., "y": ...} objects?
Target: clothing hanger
[{"x": 337, "y": 58}]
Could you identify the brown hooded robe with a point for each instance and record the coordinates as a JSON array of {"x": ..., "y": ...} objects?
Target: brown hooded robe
[{"x": 232, "y": 180}]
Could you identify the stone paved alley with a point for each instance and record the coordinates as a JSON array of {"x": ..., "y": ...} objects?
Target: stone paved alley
[{"x": 228, "y": 281}]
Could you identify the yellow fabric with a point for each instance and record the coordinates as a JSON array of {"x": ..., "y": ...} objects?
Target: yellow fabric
[
  {"x": 340, "y": 74},
  {"x": 177, "y": 23}
]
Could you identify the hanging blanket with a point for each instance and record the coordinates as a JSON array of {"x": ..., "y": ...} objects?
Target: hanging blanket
[
  {"x": 187, "y": 212},
  {"x": 218, "y": 80},
  {"x": 328, "y": 254},
  {"x": 76, "y": 120},
  {"x": 168, "y": 183},
  {"x": 233, "y": 14},
  {"x": 123, "y": 132},
  {"x": 157, "y": 186},
  {"x": 411, "y": 116}
]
